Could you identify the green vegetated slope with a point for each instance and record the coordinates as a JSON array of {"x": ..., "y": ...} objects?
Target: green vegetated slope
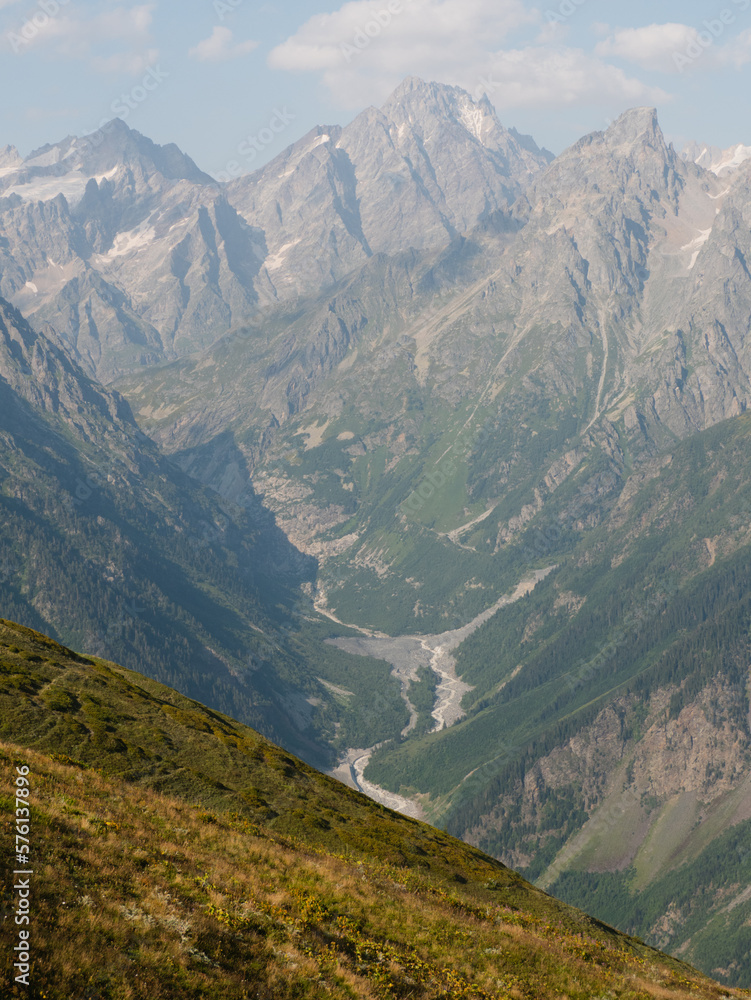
[
  {"x": 371, "y": 452},
  {"x": 113, "y": 549},
  {"x": 178, "y": 853},
  {"x": 699, "y": 909},
  {"x": 608, "y": 727},
  {"x": 384, "y": 461}
]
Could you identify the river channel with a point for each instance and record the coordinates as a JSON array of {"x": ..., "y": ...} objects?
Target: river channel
[{"x": 407, "y": 654}]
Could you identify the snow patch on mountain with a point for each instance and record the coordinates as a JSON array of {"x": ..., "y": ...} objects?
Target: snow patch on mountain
[
  {"x": 71, "y": 185},
  {"x": 720, "y": 162},
  {"x": 696, "y": 245},
  {"x": 472, "y": 118},
  {"x": 128, "y": 242},
  {"x": 277, "y": 260}
]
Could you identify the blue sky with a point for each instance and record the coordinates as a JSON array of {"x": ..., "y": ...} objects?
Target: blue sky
[{"x": 216, "y": 76}]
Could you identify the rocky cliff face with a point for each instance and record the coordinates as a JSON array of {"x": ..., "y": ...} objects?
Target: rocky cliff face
[
  {"x": 636, "y": 767},
  {"x": 133, "y": 255},
  {"x": 430, "y": 165},
  {"x": 125, "y": 248}
]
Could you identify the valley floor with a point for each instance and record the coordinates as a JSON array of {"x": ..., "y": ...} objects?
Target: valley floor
[{"x": 407, "y": 654}]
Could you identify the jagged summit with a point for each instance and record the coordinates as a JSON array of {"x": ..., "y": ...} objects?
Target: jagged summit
[
  {"x": 421, "y": 94},
  {"x": 167, "y": 260},
  {"x": 118, "y": 140},
  {"x": 631, "y": 155},
  {"x": 9, "y": 157},
  {"x": 429, "y": 165},
  {"x": 637, "y": 133},
  {"x": 66, "y": 167},
  {"x": 409, "y": 85},
  {"x": 113, "y": 145},
  {"x": 636, "y": 129},
  {"x": 419, "y": 102},
  {"x": 634, "y": 123}
]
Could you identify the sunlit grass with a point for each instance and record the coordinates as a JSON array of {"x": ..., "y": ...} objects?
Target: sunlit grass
[{"x": 142, "y": 893}]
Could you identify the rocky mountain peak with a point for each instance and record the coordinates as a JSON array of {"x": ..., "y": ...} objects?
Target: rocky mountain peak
[
  {"x": 637, "y": 124},
  {"x": 629, "y": 207},
  {"x": 429, "y": 165},
  {"x": 416, "y": 93},
  {"x": 9, "y": 157},
  {"x": 410, "y": 85},
  {"x": 117, "y": 143},
  {"x": 142, "y": 255},
  {"x": 634, "y": 147},
  {"x": 630, "y": 154},
  {"x": 421, "y": 105},
  {"x": 67, "y": 166},
  {"x": 630, "y": 159},
  {"x": 436, "y": 120}
]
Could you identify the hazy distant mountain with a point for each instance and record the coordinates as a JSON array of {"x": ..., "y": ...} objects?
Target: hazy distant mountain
[
  {"x": 430, "y": 165},
  {"x": 124, "y": 247},
  {"x": 133, "y": 255},
  {"x": 721, "y": 162},
  {"x": 617, "y": 296}
]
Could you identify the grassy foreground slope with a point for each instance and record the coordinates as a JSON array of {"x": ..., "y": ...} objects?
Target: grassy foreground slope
[{"x": 177, "y": 853}]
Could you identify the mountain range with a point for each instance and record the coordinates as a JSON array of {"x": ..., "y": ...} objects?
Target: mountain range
[
  {"x": 474, "y": 415},
  {"x": 134, "y": 255}
]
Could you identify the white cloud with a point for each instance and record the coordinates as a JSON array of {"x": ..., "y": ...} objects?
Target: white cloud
[
  {"x": 75, "y": 36},
  {"x": 218, "y": 47},
  {"x": 652, "y": 46},
  {"x": 362, "y": 51},
  {"x": 738, "y": 52},
  {"x": 547, "y": 77},
  {"x": 675, "y": 48},
  {"x": 410, "y": 29}
]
